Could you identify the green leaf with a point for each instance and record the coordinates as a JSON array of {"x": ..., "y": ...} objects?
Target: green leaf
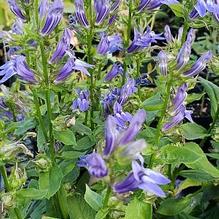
[
  {"x": 51, "y": 181},
  {"x": 213, "y": 93},
  {"x": 189, "y": 154},
  {"x": 71, "y": 155},
  {"x": 85, "y": 143},
  {"x": 79, "y": 209},
  {"x": 24, "y": 126},
  {"x": 178, "y": 9},
  {"x": 139, "y": 210},
  {"x": 31, "y": 193},
  {"x": 196, "y": 175},
  {"x": 191, "y": 131},
  {"x": 94, "y": 199},
  {"x": 171, "y": 206},
  {"x": 40, "y": 139},
  {"x": 81, "y": 129},
  {"x": 67, "y": 137},
  {"x": 213, "y": 155},
  {"x": 102, "y": 213},
  {"x": 153, "y": 103},
  {"x": 194, "y": 97}
]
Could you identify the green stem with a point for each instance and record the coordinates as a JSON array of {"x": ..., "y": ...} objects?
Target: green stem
[
  {"x": 163, "y": 112},
  {"x": 90, "y": 61},
  {"x": 39, "y": 115},
  {"x": 5, "y": 178},
  {"x": 106, "y": 199},
  {"x": 185, "y": 29},
  {"x": 8, "y": 189},
  {"x": 128, "y": 34},
  {"x": 48, "y": 101},
  {"x": 36, "y": 5}
]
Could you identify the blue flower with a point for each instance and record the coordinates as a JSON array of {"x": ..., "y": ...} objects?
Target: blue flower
[
  {"x": 16, "y": 9},
  {"x": 162, "y": 62},
  {"x": 184, "y": 53},
  {"x": 43, "y": 8},
  {"x": 199, "y": 10},
  {"x": 62, "y": 47},
  {"x": 143, "y": 40},
  {"x": 102, "y": 8},
  {"x": 179, "y": 111},
  {"x": 71, "y": 65},
  {"x": 169, "y": 37},
  {"x": 154, "y": 4},
  {"x": 17, "y": 27},
  {"x": 109, "y": 44},
  {"x": 116, "y": 69},
  {"x": 142, "y": 178},
  {"x": 80, "y": 13},
  {"x": 82, "y": 102},
  {"x": 17, "y": 65},
  {"x": 199, "y": 65},
  {"x": 95, "y": 165},
  {"x": 53, "y": 17},
  {"x": 124, "y": 138}
]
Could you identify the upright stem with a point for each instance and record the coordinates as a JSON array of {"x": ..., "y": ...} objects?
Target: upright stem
[
  {"x": 128, "y": 34},
  {"x": 48, "y": 101},
  {"x": 8, "y": 189},
  {"x": 106, "y": 199},
  {"x": 163, "y": 112},
  {"x": 39, "y": 116},
  {"x": 90, "y": 61},
  {"x": 185, "y": 29}
]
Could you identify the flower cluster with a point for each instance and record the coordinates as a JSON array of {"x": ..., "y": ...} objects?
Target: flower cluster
[
  {"x": 122, "y": 143},
  {"x": 82, "y": 102}
]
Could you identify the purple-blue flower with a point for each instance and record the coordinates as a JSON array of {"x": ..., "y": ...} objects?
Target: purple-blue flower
[
  {"x": 199, "y": 10},
  {"x": 199, "y": 65},
  {"x": 71, "y": 65},
  {"x": 213, "y": 7},
  {"x": 17, "y": 27},
  {"x": 162, "y": 62},
  {"x": 124, "y": 138},
  {"x": 184, "y": 53},
  {"x": 43, "y": 8},
  {"x": 109, "y": 44},
  {"x": 95, "y": 165},
  {"x": 116, "y": 69},
  {"x": 82, "y": 102},
  {"x": 102, "y": 8},
  {"x": 16, "y": 9},
  {"x": 62, "y": 47},
  {"x": 127, "y": 90},
  {"x": 53, "y": 17},
  {"x": 80, "y": 13},
  {"x": 17, "y": 66},
  {"x": 179, "y": 111},
  {"x": 154, "y": 4},
  {"x": 143, "y": 40},
  {"x": 142, "y": 178},
  {"x": 121, "y": 118}
]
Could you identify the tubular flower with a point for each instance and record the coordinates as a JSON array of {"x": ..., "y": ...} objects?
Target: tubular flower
[
  {"x": 213, "y": 7},
  {"x": 184, "y": 53},
  {"x": 95, "y": 165},
  {"x": 121, "y": 118},
  {"x": 127, "y": 90},
  {"x": 169, "y": 37},
  {"x": 124, "y": 138},
  {"x": 199, "y": 65},
  {"x": 16, "y": 9},
  {"x": 199, "y": 10},
  {"x": 154, "y": 4},
  {"x": 102, "y": 8},
  {"x": 179, "y": 110},
  {"x": 43, "y": 8},
  {"x": 62, "y": 46},
  {"x": 116, "y": 69},
  {"x": 109, "y": 44},
  {"x": 142, "y": 178},
  {"x": 144, "y": 40},
  {"x": 53, "y": 17},
  {"x": 17, "y": 27},
  {"x": 71, "y": 65},
  {"x": 162, "y": 62},
  {"x": 82, "y": 102},
  {"x": 80, "y": 13},
  {"x": 17, "y": 65}
]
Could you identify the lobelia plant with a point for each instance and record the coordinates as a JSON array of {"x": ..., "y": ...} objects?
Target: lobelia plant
[{"x": 100, "y": 114}]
